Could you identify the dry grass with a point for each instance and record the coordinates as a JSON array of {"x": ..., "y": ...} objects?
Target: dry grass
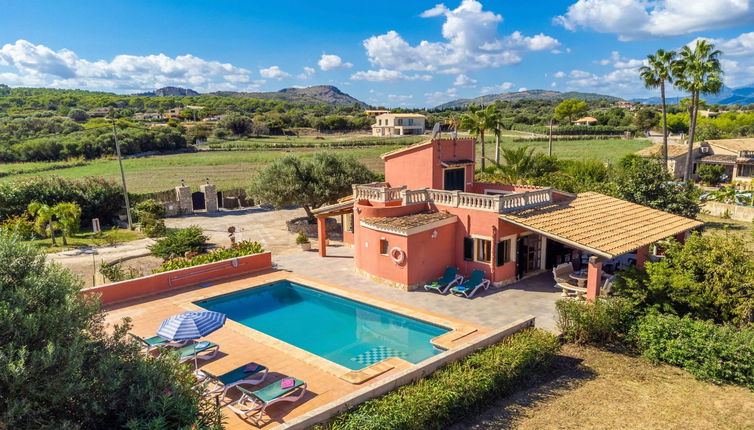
[
  {"x": 590, "y": 388},
  {"x": 743, "y": 229}
]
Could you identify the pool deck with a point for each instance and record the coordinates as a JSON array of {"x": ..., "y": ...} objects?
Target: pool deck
[{"x": 470, "y": 319}]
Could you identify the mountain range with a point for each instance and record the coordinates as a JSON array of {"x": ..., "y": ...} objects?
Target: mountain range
[
  {"x": 727, "y": 96},
  {"x": 318, "y": 94},
  {"x": 529, "y": 94}
]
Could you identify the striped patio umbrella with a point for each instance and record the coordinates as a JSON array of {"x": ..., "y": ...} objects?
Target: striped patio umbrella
[{"x": 191, "y": 325}]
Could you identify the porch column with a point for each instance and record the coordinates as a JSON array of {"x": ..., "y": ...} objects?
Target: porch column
[
  {"x": 322, "y": 235},
  {"x": 594, "y": 278},
  {"x": 641, "y": 256},
  {"x": 681, "y": 237}
]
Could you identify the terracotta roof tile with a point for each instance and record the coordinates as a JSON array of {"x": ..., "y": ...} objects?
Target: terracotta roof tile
[
  {"x": 601, "y": 224},
  {"x": 406, "y": 222}
]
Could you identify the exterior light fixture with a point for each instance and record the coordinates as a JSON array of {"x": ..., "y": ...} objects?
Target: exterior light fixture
[{"x": 434, "y": 234}]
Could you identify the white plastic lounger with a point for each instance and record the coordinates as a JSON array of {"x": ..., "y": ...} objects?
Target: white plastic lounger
[{"x": 259, "y": 400}]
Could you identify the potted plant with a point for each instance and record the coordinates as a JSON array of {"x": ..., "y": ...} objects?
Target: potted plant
[{"x": 303, "y": 241}]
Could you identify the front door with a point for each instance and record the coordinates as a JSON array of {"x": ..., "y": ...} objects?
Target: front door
[
  {"x": 529, "y": 254},
  {"x": 455, "y": 179}
]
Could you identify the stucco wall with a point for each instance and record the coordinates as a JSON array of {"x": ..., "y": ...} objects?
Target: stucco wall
[
  {"x": 736, "y": 212},
  {"x": 175, "y": 279},
  {"x": 420, "y": 167}
]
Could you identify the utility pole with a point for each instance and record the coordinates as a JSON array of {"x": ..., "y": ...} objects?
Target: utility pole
[
  {"x": 549, "y": 145},
  {"x": 122, "y": 173}
]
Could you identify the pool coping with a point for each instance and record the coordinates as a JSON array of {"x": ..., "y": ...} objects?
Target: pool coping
[{"x": 459, "y": 330}]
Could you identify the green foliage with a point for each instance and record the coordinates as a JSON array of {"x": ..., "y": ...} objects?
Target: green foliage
[
  {"x": 645, "y": 119},
  {"x": 301, "y": 238},
  {"x": 576, "y": 130},
  {"x": 647, "y": 182},
  {"x": 178, "y": 242},
  {"x": 97, "y": 197},
  {"x": 721, "y": 354},
  {"x": 239, "y": 250},
  {"x": 570, "y": 109},
  {"x": 605, "y": 321},
  {"x": 710, "y": 174},
  {"x": 708, "y": 277},
  {"x": 60, "y": 368},
  {"x": 308, "y": 182},
  {"x": 69, "y": 217},
  {"x": 456, "y": 390},
  {"x": 116, "y": 273},
  {"x": 19, "y": 225},
  {"x": 149, "y": 208},
  {"x": 153, "y": 227},
  {"x": 521, "y": 165},
  {"x": 236, "y": 124}
]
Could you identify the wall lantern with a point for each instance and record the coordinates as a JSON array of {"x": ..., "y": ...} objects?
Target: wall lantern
[{"x": 434, "y": 234}]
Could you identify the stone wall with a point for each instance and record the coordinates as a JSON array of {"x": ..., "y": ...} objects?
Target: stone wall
[{"x": 736, "y": 212}]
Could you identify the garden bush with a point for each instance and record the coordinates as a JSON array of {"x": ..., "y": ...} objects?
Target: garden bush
[
  {"x": 97, "y": 197},
  {"x": 178, "y": 242},
  {"x": 150, "y": 208},
  {"x": 722, "y": 354},
  {"x": 605, "y": 321},
  {"x": 456, "y": 390},
  {"x": 153, "y": 227},
  {"x": 710, "y": 174},
  {"x": 238, "y": 250},
  {"x": 20, "y": 225},
  {"x": 61, "y": 369}
]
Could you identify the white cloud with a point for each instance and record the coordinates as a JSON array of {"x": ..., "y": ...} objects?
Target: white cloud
[
  {"x": 440, "y": 97},
  {"x": 500, "y": 88},
  {"x": 620, "y": 62},
  {"x": 274, "y": 72},
  {"x": 740, "y": 46},
  {"x": 332, "y": 62},
  {"x": 472, "y": 41},
  {"x": 464, "y": 81},
  {"x": 401, "y": 100},
  {"x": 618, "y": 81},
  {"x": 559, "y": 74},
  {"x": 641, "y": 19},
  {"x": 40, "y": 65},
  {"x": 385, "y": 75},
  {"x": 522, "y": 89},
  {"x": 737, "y": 59},
  {"x": 307, "y": 73},
  {"x": 553, "y": 84},
  {"x": 579, "y": 74}
]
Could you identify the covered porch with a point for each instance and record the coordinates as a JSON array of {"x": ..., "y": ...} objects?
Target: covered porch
[
  {"x": 602, "y": 228},
  {"x": 343, "y": 208}
]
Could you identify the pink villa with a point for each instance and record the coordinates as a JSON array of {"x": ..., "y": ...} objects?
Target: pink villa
[{"x": 430, "y": 214}]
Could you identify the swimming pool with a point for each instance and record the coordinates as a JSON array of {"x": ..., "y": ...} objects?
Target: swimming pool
[{"x": 347, "y": 332}]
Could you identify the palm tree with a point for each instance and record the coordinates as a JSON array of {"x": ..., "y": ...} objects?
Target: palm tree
[
  {"x": 497, "y": 128},
  {"x": 477, "y": 121},
  {"x": 697, "y": 71},
  {"x": 520, "y": 164},
  {"x": 69, "y": 218},
  {"x": 44, "y": 219},
  {"x": 655, "y": 74}
]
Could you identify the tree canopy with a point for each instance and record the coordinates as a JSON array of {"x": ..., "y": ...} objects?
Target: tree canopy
[{"x": 570, "y": 109}]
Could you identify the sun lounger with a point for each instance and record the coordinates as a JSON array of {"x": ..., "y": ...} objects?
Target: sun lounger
[
  {"x": 157, "y": 342},
  {"x": 242, "y": 375},
  {"x": 259, "y": 400},
  {"x": 201, "y": 350},
  {"x": 450, "y": 278},
  {"x": 470, "y": 287}
]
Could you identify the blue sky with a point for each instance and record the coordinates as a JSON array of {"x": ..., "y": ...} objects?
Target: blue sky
[{"x": 392, "y": 53}]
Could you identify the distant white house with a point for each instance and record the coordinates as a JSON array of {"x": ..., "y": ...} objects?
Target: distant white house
[{"x": 398, "y": 124}]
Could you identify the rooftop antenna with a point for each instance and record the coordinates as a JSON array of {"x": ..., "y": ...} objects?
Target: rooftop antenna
[{"x": 436, "y": 130}]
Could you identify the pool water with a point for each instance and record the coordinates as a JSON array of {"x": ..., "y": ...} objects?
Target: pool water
[{"x": 347, "y": 332}]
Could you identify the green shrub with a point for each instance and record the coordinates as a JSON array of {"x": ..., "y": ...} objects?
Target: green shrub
[
  {"x": 301, "y": 238},
  {"x": 456, "y": 390},
  {"x": 116, "y": 273},
  {"x": 710, "y": 174},
  {"x": 149, "y": 208},
  {"x": 604, "y": 321},
  {"x": 153, "y": 227},
  {"x": 97, "y": 197},
  {"x": 20, "y": 225},
  {"x": 239, "y": 250},
  {"x": 61, "y": 369},
  {"x": 722, "y": 354},
  {"x": 178, "y": 242}
]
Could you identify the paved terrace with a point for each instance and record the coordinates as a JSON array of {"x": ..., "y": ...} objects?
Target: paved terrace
[{"x": 493, "y": 308}]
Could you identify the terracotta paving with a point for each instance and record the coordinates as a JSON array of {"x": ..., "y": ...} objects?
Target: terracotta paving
[{"x": 239, "y": 345}]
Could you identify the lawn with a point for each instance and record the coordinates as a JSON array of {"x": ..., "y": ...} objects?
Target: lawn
[
  {"x": 232, "y": 169},
  {"x": 84, "y": 239},
  {"x": 713, "y": 224},
  {"x": 590, "y": 388}
]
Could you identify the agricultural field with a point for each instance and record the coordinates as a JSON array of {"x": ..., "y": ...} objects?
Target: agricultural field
[{"x": 231, "y": 169}]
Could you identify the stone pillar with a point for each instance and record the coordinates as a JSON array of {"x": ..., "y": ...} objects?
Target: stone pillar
[
  {"x": 641, "y": 256},
  {"x": 594, "y": 278},
  {"x": 210, "y": 197},
  {"x": 322, "y": 236},
  {"x": 185, "y": 204}
]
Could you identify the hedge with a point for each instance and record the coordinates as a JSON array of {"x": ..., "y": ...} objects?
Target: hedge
[
  {"x": 721, "y": 354},
  {"x": 574, "y": 129},
  {"x": 456, "y": 390},
  {"x": 97, "y": 197}
]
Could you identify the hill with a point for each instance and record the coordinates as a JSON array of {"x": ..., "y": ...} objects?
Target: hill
[
  {"x": 727, "y": 96},
  {"x": 318, "y": 94},
  {"x": 529, "y": 94},
  {"x": 170, "y": 91}
]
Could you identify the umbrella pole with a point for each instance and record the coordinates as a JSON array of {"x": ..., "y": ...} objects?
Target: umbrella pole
[{"x": 196, "y": 360}]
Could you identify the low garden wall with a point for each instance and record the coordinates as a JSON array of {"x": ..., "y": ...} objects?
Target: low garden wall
[
  {"x": 174, "y": 279},
  {"x": 736, "y": 212}
]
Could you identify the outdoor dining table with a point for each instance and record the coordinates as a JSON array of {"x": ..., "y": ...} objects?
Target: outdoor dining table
[{"x": 580, "y": 278}]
